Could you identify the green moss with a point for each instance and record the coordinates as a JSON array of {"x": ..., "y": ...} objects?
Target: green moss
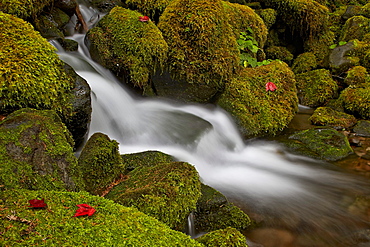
[
  {"x": 319, "y": 46},
  {"x": 148, "y": 158},
  {"x": 325, "y": 116},
  {"x": 111, "y": 224},
  {"x": 150, "y": 8},
  {"x": 127, "y": 46},
  {"x": 304, "y": 62},
  {"x": 357, "y": 75},
  {"x": 202, "y": 45},
  {"x": 101, "y": 163},
  {"x": 168, "y": 192},
  {"x": 280, "y": 53},
  {"x": 36, "y": 151},
  {"x": 215, "y": 212},
  {"x": 24, "y": 9},
  {"x": 268, "y": 16},
  {"x": 365, "y": 10},
  {"x": 228, "y": 237},
  {"x": 315, "y": 87},
  {"x": 356, "y": 100},
  {"x": 355, "y": 28},
  {"x": 31, "y": 74},
  {"x": 256, "y": 111},
  {"x": 307, "y": 18}
]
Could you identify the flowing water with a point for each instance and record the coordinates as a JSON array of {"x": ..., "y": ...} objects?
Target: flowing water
[{"x": 297, "y": 201}]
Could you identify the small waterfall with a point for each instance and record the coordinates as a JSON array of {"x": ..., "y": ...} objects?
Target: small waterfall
[
  {"x": 261, "y": 176},
  {"x": 190, "y": 229}
]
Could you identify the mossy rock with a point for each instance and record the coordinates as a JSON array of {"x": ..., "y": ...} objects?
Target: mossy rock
[
  {"x": 228, "y": 237},
  {"x": 101, "y": 163},
  {"x": 105, "y": 6},
  {"x": 342, "y": 58},
  {"x": 152, "y": 8},
  {"x": 320, "y": 46},
  {"x": 268, "y": 16},
  {"x": 36, "y": 151},
  {"x": 147, "y": 158},
  {"x": 280, "y": 53},
  {"x": 304, "y": 62},
  {"x": 51, "y": 25},
  {"x": 306, "y": 18},
  {"x": 131, "y": 49},
  {"x": 24, "y": 10},
  {"x": 356, "y": 100},
  {"x": 110, "y": 225},
  {"x": 326, "y": 116},
  {"x": 215, "y": 212},
  {"x": 31, "y": 73},
  {"x": 357, "y": 75},
  {"x": 256, "y": 111},
  {"x": 316, "y": 87},
  {"x": 362, "y": 128},
  {"x": 365, "y": 10},
  {"x": 355, "y": 28},
  {"x": 323, "y": 143},
  {"x": 202, "y": 44},
  {"x": 167, "y": 191}
]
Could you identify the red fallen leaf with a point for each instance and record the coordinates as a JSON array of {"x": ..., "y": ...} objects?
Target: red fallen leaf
[
  {"x": 35, "y": 203},
  {"x": 144, "y": 18},
  {"x": 84, "y": 209},
  {"x": 270, "y": 86}
]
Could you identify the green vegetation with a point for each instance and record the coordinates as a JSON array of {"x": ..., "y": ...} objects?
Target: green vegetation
[
  {"x": 356, "y": 100},
  {"x": 101, "y": 163},
  {"x": 31, "y": 74},
  {"x": 228, "y": 237},
  {"x": 127, "y": 46},
  {"x": 166, "y": 191},
  {"x": 325, "y": 116},
  {"x": 304, "y": 62},
  {"x": 111, "y": 225},
  {"x": 148, "y": 158},
  {"x": 357, "y": 75},
  {"x": 256, "y": 111},
  {"x": 23, "y": 9},
  {"x": 36, "y": 152}
]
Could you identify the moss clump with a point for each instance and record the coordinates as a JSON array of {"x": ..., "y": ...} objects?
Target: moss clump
[
  {"x": 202, "y": 45},
  {"x": 36, "y": 152},
  {"x": 325, "y": 116},
  {"x": 356, "y": 100},
  {"x": 304, "y": 62},
  {"x": 31, "y": 74},
  {"x": 167, "y": 191},
  {"x": 101, "y": 163},
  {"x": 307, "y": 18},
  {"x": 319, "y": 46},
  {"x": 128, "y": 47},
  {"x": 316, "y": 87},
  {"x": 280, "y": 53},
  {"x": 111, "y": 224},
  {"x": 268, "y": 16},
  {"x": 228, "y": 237},
  {"x": 215, "y": 212},
  {"x": 148, "y": 158},
  {"x": 326, "y": 144},
  {"x": 256, "y": 111},
  {"x": 357, "y": 75},
  {"x": 355, "y": 28},
  {"x": 151, "y": 8},
  {"x": 23, "y": 9}
]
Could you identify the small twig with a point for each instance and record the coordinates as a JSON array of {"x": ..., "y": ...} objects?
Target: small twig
[
  {"x": 80, "y": 19},
  {"x": 117, "y": 181}
]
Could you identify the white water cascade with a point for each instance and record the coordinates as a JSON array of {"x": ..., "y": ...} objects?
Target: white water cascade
[{"x": 259, "y": 175}]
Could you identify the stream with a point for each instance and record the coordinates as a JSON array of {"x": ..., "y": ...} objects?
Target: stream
[{"x": 296, "y": 201}]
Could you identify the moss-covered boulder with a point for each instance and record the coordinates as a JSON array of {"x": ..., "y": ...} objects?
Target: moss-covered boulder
[
  {"x": 36, "y": 152},
  {"x": 151, "y": 8},
  {"x": 101, "y": 164},
  {"x": 215, "y": 212},
  {"x": 257, "y": 111},
  {"x": 167, "y": 191},
  {"x": 357, "y": 75},
  {"x": 130, "y": 48},
  {"x": 356, "y": 100},
  {"x": 51, "y": 24},
  {"x": 31, "y": 73},
  {"x": 316, "y": 87},
  {"x": 326, "y": 116},
  {"x": 228, "y": 237},
  {"x": 268, "y": 15},
  {"x": 341, "y": 58},
  {"x": 110, "y": 225},
  {"x": 355, "y": 28},
  {"x": 24, "y": 10},
  {"x": 304, "y": 62},
  {"x": 147, "y": 158},
  {"x": 323, "y": 143},
  {"x": 202, "y": 48}
]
